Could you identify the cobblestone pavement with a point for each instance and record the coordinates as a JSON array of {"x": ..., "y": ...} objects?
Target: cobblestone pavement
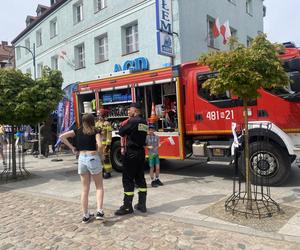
[{"x": 34, "y": 222}]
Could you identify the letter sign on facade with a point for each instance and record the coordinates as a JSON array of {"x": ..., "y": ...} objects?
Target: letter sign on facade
[
  {"x": 138, "y": 64},
  {"x": 164, "y": 26},
  {"x": 164, "y": 20}
]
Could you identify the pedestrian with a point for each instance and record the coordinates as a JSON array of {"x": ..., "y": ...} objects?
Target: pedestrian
[
  {"x": 153, "y": 144},
  {"x": 136, "y": 131},
  {"x": 2, "y": 144},
  {"x": 88, "y": 145}
]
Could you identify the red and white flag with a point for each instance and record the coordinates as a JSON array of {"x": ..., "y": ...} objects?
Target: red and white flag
[
  {"x": 62, "y": 54},
  {"x": 216, "y": 28},
  {"x": 225, "y": 31}
]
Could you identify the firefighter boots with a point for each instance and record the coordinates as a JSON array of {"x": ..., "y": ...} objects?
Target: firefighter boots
[
  {"x": 127, "y": 206},
  {"x": 141, "y": 206}
]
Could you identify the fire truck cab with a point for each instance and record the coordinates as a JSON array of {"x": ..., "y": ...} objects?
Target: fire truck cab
[{"x": 195, "y": 124}]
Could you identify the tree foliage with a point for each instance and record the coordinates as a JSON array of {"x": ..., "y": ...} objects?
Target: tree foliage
[
  {"x": 27, "y": 101},
  {"x": 244, "y": 70}
]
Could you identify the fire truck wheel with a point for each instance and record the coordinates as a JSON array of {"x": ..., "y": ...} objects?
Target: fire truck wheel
[
  {"x": 269, "y": 164},
  {"x": 116, "y": 157}
]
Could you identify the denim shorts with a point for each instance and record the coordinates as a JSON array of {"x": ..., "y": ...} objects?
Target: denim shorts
[{"x": 89, "y": 163}]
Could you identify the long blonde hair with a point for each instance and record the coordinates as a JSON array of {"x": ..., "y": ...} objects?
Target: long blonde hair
[{"x": 88, "y": 124}]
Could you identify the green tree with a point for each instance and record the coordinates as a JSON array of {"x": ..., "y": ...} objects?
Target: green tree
[
  {"x": 26, "y": 101},
  {"x": 243, "y": 71}
]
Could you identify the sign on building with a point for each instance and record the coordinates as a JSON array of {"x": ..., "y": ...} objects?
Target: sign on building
[{"x": 164, "y": 26}]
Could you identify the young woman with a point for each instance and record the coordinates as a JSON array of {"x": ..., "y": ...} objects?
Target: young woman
[{"x": 88, "y": 145}]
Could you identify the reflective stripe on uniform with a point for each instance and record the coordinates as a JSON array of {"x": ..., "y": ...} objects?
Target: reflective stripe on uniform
[
  {"x": 142, "y": 189},
  {"x": 142, "y": 127},
  {"x": 129, "y": 193},
  {"x": 107, "y": 167}
]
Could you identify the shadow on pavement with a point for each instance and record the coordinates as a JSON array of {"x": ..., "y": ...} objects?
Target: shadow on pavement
[
  {"x": 195, "y": 169},
  {"x": 200, "y": 170},
  {"x": 172, "y": 206}
]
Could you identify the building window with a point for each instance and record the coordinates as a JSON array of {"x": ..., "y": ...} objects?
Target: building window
[
  {"x": 78, "y": 12},
  {"x": 39, "y": 41},
  {"x": 131, "y": 39},
  {"x": 234, "y": 34},
  {"x": 211, "y": 41},
  {"x": 99, "y": 5},
  {"x": 79, "y": 56},
  {"x": 54, "y": 62},
  {"x": 249, "y": 41},
  {"x": 27, "y": 45},
  {"x": 39, "y": 70},
  {"x": 18, "y": 53},
  {"x": 249, "y": 7},
  {"x": 101, "y": 48},
  {"x": 53, "y": 28}
]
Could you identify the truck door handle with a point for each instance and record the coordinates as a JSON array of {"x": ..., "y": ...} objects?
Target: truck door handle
[{"x": 198, "y": 117}]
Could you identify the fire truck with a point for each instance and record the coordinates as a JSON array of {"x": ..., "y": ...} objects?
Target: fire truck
[{"x": 195, "y": 124}]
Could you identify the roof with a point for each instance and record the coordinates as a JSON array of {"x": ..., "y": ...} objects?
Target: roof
[
  {"x": 41, "y": 6},
  {"x": 39, "y": 19}
]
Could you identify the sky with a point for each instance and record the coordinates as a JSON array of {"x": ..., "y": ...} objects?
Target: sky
[{"x": 280, "y": 23}]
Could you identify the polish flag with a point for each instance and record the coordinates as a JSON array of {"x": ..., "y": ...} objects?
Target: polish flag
[
  {"x": 216, "y": 28},
  {"x": 225, "y": 31},
  {"x": 62, "y": 54}
]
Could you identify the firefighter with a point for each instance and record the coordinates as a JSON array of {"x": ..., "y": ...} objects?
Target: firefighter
[
  {"x": 106, "y": 134},
  {"x": 136, "y": 131}
]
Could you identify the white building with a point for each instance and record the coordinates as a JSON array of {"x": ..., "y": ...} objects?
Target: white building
[{"x": 86, "y": 38}]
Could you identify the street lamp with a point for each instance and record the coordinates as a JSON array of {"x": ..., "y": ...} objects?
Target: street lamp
[{"x": 32, "y": 52}]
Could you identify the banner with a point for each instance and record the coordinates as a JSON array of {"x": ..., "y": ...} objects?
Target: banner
[{"x": 65, "y": 112}]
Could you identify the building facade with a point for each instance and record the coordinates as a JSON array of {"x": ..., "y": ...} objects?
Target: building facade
[
  {"x": 87, "y": 38},
  {"x": 6, "y": 55}
]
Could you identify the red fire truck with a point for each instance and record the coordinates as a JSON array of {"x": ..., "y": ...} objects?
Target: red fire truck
[{"x": 197, "y": 125}]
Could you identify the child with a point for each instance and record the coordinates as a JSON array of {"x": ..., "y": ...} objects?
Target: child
[{"x": 153, "y": 145}]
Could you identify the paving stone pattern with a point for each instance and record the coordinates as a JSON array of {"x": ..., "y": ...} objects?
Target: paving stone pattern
[
  {"x": 266, "y": 224},
  {"x": 33, "y": 222}
]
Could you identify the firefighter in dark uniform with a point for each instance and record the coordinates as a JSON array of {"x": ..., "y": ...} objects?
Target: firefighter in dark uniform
[{"x": 134, "y": 158}]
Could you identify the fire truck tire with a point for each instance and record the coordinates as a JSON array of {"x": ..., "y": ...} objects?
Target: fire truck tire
[
  {"x": 269, "y": 164},
  {"x": 116, "y": 157}
]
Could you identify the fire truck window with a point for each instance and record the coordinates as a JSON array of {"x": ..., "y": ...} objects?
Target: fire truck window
[
  {"x": 295, "y": 81},
  {"x": 205, "y": 93}
]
